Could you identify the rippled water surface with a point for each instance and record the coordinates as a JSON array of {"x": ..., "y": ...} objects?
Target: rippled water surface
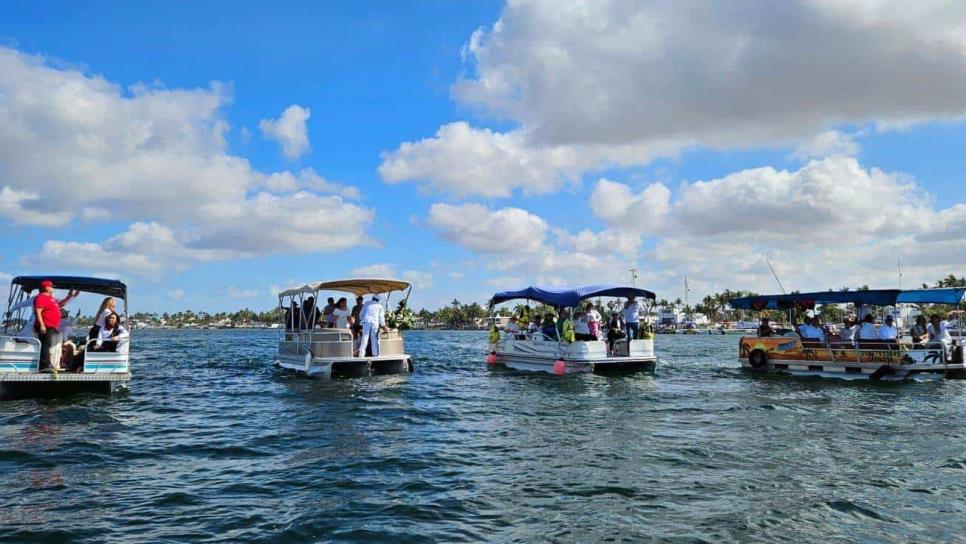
[{"x": 212, "y": 443}]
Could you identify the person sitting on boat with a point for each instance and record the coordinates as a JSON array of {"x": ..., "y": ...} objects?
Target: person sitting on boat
[
  {"x": 549, "y": 328},
  {"x": 938, "y": 333},
  {"x": 106, "y": 308},
  {"x": 512, "y": 326},
  {"x": 373, "y": 317},
  {"x": 340, "y": 314},
  {"x": 535, "y": 325},
  {"x": 919, "y": 333},
  {"x": 582, "y": 328},
  {"x": 632, "y": 317},
  {"x": 594, "y": 321},
  {"x": 812, "y": 330},
  {"x": 847, "y": 333},
  {"x": 311, "y": 316},
  {"x": 765, "y": 330},
  {"x": 112, "y": 337},
  {"x": 888, "y": 331},
  {"x": 867, "y": 331}
]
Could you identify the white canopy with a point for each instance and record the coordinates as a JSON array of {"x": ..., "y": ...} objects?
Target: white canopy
[{"x": 356, "y": 286}]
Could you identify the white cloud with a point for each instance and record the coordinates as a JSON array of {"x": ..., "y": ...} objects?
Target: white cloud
[
  {"x": 587, "y": 86},
  {"x": 176, "y": 294},
  {"x": 380, "y": 270},
  {"x": 617, "y": 205},
  {"x": 574, "y": 72},
  {"x": 77, "y": 147},
  {"x": 503, "y": 231},
  {"x": 418, "y": 279},
  {"x": 456, "y": 275},
  {"x": 289, "y": 130},
  {"x": 826, "y": 144},
  {"x": 235, "y": 292}
]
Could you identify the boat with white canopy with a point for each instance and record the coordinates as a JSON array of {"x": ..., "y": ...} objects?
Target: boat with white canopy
[
  {"x": 98, "y": 371},
  {"x": 853, "y": 358},
  {"x": 310, "y": 347},
  {"x": 535, "y": 350}
]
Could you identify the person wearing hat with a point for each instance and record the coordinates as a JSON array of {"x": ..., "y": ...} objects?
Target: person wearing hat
[
  {"x": 373, "y": 317},
  {"x": 47, "y": 317},
  {"x": 888, "y": 331}
]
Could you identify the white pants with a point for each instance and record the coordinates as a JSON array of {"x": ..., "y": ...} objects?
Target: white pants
[{"x": 370, "y": 333}]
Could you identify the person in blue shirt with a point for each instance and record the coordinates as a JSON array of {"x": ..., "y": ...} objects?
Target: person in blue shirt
[{"x": 550, "y": 327}]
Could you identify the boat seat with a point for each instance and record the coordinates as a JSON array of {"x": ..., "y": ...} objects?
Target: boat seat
[{"x": 877, "y": 344}]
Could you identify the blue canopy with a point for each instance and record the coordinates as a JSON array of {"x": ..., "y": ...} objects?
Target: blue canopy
[
  {"x": 873, "y": 297},
  {"x": 113, "y": 288},
  {"x": 569, "y": 297}
]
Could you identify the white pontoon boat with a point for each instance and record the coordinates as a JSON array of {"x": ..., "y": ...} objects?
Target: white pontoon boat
[
  {"x": 20, "y": 375},
  {"x": 318, "y": 352},
  {"x": 536, "y": 351}
]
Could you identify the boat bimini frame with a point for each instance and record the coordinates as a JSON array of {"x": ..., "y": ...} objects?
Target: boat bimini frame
[
  {"x": 534, "y": 351},
  {"x": 844, "y": 359},
  {"x": 20, "y": 354},
  {"x": 331, "y": 352}
]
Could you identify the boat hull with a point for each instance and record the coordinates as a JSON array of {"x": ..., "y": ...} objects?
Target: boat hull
[
  {"x": 103, "y": 372},
  {"x": 572, "y": 358},
  {"x": 327, "y": 354},
  {"x": 790, "y": 356}
]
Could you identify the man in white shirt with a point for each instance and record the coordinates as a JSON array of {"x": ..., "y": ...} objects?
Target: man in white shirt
[
  {"x": 373, "y": 317},
  {"x": 888, "y": 331},
  {"x": 632, "y": 317},
  {"x": 813, "y": 330},
  {"x": 582, "y": 328},
  {"x": 512, "y": 326},
  {"x": 847, "y": 334},
  {"x": 867, "y": 330},
  {"x": 938, "y": 333}
]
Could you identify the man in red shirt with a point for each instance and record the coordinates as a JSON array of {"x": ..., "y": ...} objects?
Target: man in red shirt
[{"x": 47, "y": 315}]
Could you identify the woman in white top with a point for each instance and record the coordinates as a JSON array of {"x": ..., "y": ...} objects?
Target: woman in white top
[
  {"x": 340, "y": 314},
  {"x": 112, "y": 336},
  {"x": 106, "y": 309},
  {"x": 938, "y": 333}
]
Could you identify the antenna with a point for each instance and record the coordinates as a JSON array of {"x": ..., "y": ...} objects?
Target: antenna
[
  {"x": 633, "y": 272},
  {"x": 899, "y": 266},
  {"x": 773, "y": 273}
]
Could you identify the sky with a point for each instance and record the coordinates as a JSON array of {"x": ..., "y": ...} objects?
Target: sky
[{"x": 211, "y": 155}]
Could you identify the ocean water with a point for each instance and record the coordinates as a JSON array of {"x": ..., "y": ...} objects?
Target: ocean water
[{"x": 211, "y": 443}]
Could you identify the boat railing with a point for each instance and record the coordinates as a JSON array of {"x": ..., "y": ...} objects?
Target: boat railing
[
  {"x": 9, "y": 346},
  {"x": 338, "y": 343}
]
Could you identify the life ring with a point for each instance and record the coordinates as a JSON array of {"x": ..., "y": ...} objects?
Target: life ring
[{"x": 758, "y": 359}]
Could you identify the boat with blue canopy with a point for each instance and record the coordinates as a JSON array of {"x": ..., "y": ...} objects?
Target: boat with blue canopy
[
  {"x": 867, "y": 350},
  {"x": 527, "y": 343}
]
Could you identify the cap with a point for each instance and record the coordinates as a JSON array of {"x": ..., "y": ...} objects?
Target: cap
[
  {"x": 889, "y": 318},
  {"x": 46, "y": 283}
]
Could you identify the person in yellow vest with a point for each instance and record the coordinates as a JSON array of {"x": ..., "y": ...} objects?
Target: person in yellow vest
[{"x": 565, "y": 327}]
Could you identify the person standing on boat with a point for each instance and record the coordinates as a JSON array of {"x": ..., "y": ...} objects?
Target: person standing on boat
[
  {"x": 594, "y": 321},
  {"x": 340, "y": 314},
  {"x": 632, "y": 317},
  {"x": 30, "y": 326},
  {"x": 47, "y": 316},
  {"x": 373, "y": 317},
  {"x": 565, "y": 327},
  {"x": 354, "y": 318}
]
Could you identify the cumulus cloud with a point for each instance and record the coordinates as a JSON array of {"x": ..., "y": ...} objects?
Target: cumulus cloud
[
  {"x": 77, "y": 147},
  {"x": 418, "y": 279},
  {"x": 289, "y": 130},
  {"x": 503, "y": 231},
  {"x": 617, "y": 205},
  {"x": 379, "y": 270},
  {"x": 826, "y": 144},
  {"x": 586, "y": 86},
  {"x": 575, "y": 72},
  {"x": 176, "y": 294}
]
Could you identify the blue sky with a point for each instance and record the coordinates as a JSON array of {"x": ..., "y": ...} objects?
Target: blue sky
[{"x": 476, "y": 136}]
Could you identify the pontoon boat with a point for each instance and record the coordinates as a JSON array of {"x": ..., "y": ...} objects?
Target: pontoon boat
[
  {"x": 536, "y": 351},
  {"x": 319, "y": 352},
  {"x": 789, "y": 353},
  {"x": 101, "y": 372}
]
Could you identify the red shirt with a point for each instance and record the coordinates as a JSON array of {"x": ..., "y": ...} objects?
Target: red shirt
[{"x": 49, "y": 310}]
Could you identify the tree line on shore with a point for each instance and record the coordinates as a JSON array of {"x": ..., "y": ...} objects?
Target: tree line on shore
[{"x": 458, "y": 315}]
